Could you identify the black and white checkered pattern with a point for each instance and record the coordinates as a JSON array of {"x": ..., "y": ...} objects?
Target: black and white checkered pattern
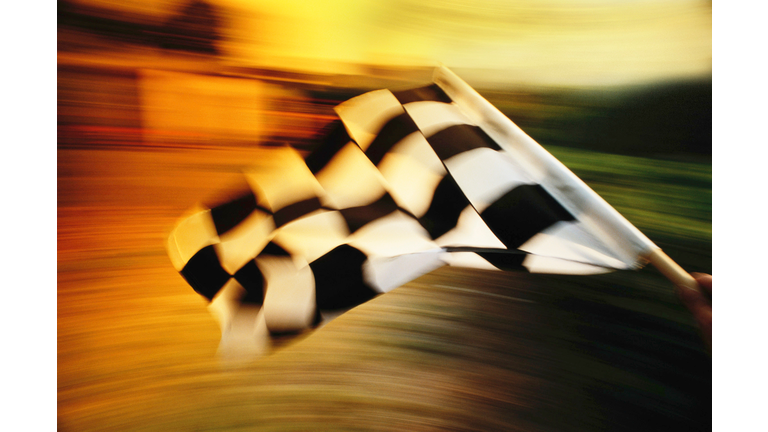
[{"x": 406, "y": 181}]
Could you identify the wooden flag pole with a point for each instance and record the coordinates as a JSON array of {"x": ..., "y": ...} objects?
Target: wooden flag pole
[{"x": 672, "y": 270}]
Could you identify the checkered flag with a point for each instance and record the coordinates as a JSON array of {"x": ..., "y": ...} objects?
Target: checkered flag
[{"x": 405, "y": 182}]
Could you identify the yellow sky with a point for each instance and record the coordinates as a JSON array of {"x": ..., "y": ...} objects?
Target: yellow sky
[{"x": 559, "y": 42}]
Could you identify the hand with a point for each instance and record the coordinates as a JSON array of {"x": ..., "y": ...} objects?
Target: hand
[{"x": 700, "y": 304}]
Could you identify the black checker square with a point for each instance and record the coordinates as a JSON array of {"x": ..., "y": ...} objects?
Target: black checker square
[
  {"x": 251, "y": 278},
  {"x": 447, "y": 204},
  {"x": 458, "y": 139},
  {"x": 296, "y": 210},
  {"x": 431, "y": 93},
  {"x": 357, "y": 217},
  {"x": 511, "y": 260},
  {"x": 391, "y": 133},
  {"x": 339, "y": 282},
  {"x": 228, "y": 215},
  {"x": 522, "y": 213},
  {"x": 273, "y": 249},
  {"x": 335, "y": 139},
  {"x": 204, "y": 272}
]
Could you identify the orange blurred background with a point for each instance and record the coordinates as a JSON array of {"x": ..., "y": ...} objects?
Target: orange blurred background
[{"x": 163, "y": 103}]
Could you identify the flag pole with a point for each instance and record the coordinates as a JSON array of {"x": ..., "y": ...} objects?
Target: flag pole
[{"x": 672, "y": 270}]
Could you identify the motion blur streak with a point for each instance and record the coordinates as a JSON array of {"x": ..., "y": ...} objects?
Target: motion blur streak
[
  {"x": 552, "y": 42},
  {"x": 162, "y": 103}
]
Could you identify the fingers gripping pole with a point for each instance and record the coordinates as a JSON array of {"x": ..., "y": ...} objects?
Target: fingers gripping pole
[{"x": 672, "y": 270}]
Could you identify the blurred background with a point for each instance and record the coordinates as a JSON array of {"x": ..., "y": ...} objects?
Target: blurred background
[{"x": 162, "y": 103}]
